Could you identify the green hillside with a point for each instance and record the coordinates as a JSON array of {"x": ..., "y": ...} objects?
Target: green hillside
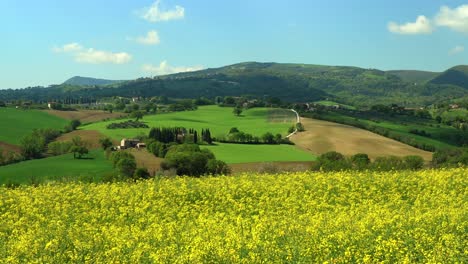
[
  {"x": 289, "y": 82},
  {"x": 56, "y": 168},
  {"x": 17, "y": 123},
  {"x": 455, "y": 76},
  {"x": 414, "y": 76}
]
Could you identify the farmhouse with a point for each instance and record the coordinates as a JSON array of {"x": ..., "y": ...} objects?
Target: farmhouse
[{"x": 128, "y": 143}]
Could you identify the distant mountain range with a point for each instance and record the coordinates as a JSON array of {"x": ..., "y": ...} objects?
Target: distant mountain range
[
  {"x": 289, "y": 82},
  {"x": 87, "y": 81}
]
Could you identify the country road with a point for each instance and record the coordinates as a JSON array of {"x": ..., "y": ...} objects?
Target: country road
[{"x": 298, "y": 120}]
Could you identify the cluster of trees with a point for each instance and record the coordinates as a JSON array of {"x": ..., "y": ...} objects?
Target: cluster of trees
[
  {"x": 180, "y": 135},
  {"x": 126, "y": 166},
  {"x": 237, "y": 136},
  {"x": 33, "y": 146},
  {"x": 190, "y": 160},
  {"x": 450, "y": 157},
  {"x": 335, "y": 161},
  {"x": 127, "y": 124}
]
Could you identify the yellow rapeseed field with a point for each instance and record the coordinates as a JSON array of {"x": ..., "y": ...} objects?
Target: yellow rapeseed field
[{"x": 364, "y": 217}]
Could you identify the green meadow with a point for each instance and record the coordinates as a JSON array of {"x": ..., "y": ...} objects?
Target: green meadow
[
  {"x": 63, "y": 167},
  {"x": 17, "y": 123},
  {"x": 244, "y": 153},
  {"x": 219, "y": 120}
]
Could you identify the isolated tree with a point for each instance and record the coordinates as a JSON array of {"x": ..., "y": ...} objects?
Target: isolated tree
[
  {"x": 105, "y": 143},
  {"x": 79, "y": 151},
  {"x": 78, "y": 147},
  {"x": 109, "y": 108},
  {"x": 237, "y": 110},
  {"x": 137, "y": 115}
]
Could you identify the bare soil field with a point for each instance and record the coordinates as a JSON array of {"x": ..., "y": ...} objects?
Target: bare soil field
[
  {"x": 147, "y": 160},
  {"x": 91, "y": 137},
  {"x": 85, "y": 116},
  {"x": 323, "y": 136},
  {"x": 6, "y": 147}
]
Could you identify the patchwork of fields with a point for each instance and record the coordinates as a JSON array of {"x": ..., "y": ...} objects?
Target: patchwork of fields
[
  {"x": 346, "y": 217},
  {"x": 219, "y": 120}
]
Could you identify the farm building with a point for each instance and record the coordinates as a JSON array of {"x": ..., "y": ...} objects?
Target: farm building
[{"x": 128, "y": 143}]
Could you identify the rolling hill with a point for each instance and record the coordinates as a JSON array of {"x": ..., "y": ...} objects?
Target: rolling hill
[
  {"x": 289, "y": 82},
  {"x": 457, "y": 75},
  {"x": 414, "y": 76},
  {"x": 87, "y": 81}
]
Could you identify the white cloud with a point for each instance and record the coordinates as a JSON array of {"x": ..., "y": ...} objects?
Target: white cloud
[
  {"x": 456, "y": 50},
  {"x": 154, "y": 13},
  {"x": 455, "y": 19},
  {"x": 92, "y": 56},
  {"x": 421, "y": 26},
  {"x": 164, "y": 68},
  {"x": 151, "y": 38},
  {"x": 72, "y": 47}
]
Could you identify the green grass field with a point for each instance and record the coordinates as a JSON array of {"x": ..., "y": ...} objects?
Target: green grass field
[
  {"x": 219, "y": 120},
  {"x": 56, "y": 168},
  {"x": 243, "y": 153},
  {"x": 17, "y": 123},
  {"x": 332, "y": 103}
]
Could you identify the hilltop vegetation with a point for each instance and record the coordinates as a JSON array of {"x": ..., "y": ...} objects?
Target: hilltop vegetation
[
  {"x": 290, "y": 82},
  {"x": 365, "y": 217},
  {"x": 87, "y": 81},
  {"x": 414, "y": 76},
  {"x": 455, "y": 76}
]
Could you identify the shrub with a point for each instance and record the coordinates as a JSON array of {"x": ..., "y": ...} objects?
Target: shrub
[
  {"x": 59, "y": 148},
  {"x": 300, "y": 127},
  {"x": 413, "y": 162},
  {"x": 360, "y": 161},
  {"x": 217, "y": 167},
  {"x": 126, "y": 167},
  {"x": 141, "y": 173},
  {"x": 331, "y": 161},
  {"x": 388, "y": 163}
]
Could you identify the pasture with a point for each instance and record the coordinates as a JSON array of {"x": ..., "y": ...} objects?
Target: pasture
[
  {"x": 60, "y": 168},
  {"x": 244, "y": 153},
  {"x": 17, "y": 123},
  {"x": 323, "y": 136},
  {"x": 219, "y": 120}
]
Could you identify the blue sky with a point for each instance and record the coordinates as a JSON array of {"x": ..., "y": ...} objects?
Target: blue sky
[{"x": 46, "y": 42}]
